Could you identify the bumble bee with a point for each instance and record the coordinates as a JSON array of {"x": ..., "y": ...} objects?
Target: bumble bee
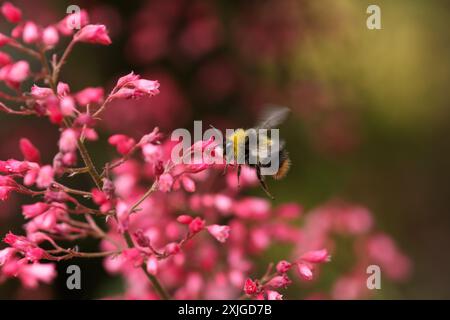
[{"x": 255, "y": 148}]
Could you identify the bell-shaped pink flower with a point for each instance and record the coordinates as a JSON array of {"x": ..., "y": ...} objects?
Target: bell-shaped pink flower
[
  {"x": 316, "y": 256},
  {"x": 31, "y": 32},
  {"x": 305, "y": 271},
  {"x": 50, "y": 36},
  {"x": 40, "y": 92},
  {"x": 221, "y": 233},
  {"x": 29, "y": 151},
  {"x": 93, "y": 33},
  {"x": 11, "y": 13},
  {"x": 33, "y": 210}
]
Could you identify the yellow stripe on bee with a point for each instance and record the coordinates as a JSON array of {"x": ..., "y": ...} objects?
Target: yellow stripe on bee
[{"x": 238, "y": 138}]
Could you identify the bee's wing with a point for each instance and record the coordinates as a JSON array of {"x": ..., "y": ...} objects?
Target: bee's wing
[{"x": 272, "y": 116}]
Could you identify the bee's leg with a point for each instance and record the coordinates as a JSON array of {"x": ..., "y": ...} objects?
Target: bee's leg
[
  {"x": 225, "y": 169},
  {"x": 238, "y": 174},
  {"x": 263, "y": 183}
]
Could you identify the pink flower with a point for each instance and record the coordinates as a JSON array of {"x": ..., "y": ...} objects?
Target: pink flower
[
  {"x": 165, "y": 182},
  {"x": 188, "y": 184},
  {"x": 29, "y": 151},
  {"x": 68, "y": 140},
  {"x": 34, "y": 254},
  {"x": 273, "y": 295},
  {"x": 184, "y": 219},
  {"x": 123, "y": 143},
  {"x": 146, "y": 87},
  {"x": 67, "y": 105},
  {"x": 283, "y": 266},
  {"x": 305, "y": 271},
  {"x": 100, "y": 198},
  {"x": 93, "y": 33},
  {"x": 4, "y": 59},
  {"x": 4, "y": 40},
  {"x": 40, "y": 92},
  {"x": 90, "y": 95},
  {"x": 152, "y": 265},
  {"x": 11, "y": 13},
  {"x": 152, "y": 153},
  {"x": 33, "y": 210},
  {"x": 137, "y": 89},
  {"x": 126, "y": 79},
  {"x": 289, "y": 211},
  {"x": 6, "y": 254},
  {"x": 196, "y": 225},
  {"x": 62, "y": 89},
  {"x": 50, "y": 36},
  {"x": 45, "y": 177},
  {"x": 70, "y": 22},
  {"x": 172, "y": 248},
  {"x": 250, "y": 287},
  {"x": 252, "y": 208},
  {"x": 317, "y": 256},
  {"x": 123, "y": 214},
  {"x": 221, "y": 233},
  {"x": 15, "y": 73},
  {"x": 18, "y": 242},
  {"x": 280, "y": 281},
  {"x": 31, "y": 33},
  {"x": 31, "y": 274}
]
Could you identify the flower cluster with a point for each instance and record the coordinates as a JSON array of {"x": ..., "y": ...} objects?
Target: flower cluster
[{"x": 170, "y": 230}]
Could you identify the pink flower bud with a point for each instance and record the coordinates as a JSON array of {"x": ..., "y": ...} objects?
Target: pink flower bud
[
  {"x": 280, "y": 281},
  {"x": 33, "y": 210},
  {"x": 172, "y": 248},
  {"x": 90, "y": 95},
  {"x": 4, "y": 59},
  {"x": 123, "y": 213},
  {"x": 126, "y": 79},
  {"x": 283, "y": 266},
  {"x": 152, "y": 265},
  {"x": 29, "y": 151},
  {"x": 63, "y": 89},
  {"x": 67, "y": 105},
  {"x": 18, "y": 72},
  {"x": 6, "y": 254},
  {"x": 316, "y": 256},
  {"x": 184, "y": 219},
  {"x": 72, "y": 22},
  {"x": 196, "y": 225},
  {"x": 4, "y": 40},
  {"x": 30, "y": 33},
  {"x": 165, "y": 182},
  {"x": 68, "y": 141},
  {"x": 141, "y": 239},
  {"x": 146, "y": 87},
  {"x": 188, "y": 184},
  {"x": 93, "y": 33},
  {"x": 40, "y": 92},
  {"x": 45, "y": 177},
  {"x": 123, "y": 143},
  {"x": 305, "y": 271},
  {"x": 34, "y": 254},
  {"x": 273, "y": 295},
  {"x": 50, "y": 36},
  {"x": 221, "y": 233},
  {"x": 11, "y": 13},
  {"x": 250, "y": 287}
]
